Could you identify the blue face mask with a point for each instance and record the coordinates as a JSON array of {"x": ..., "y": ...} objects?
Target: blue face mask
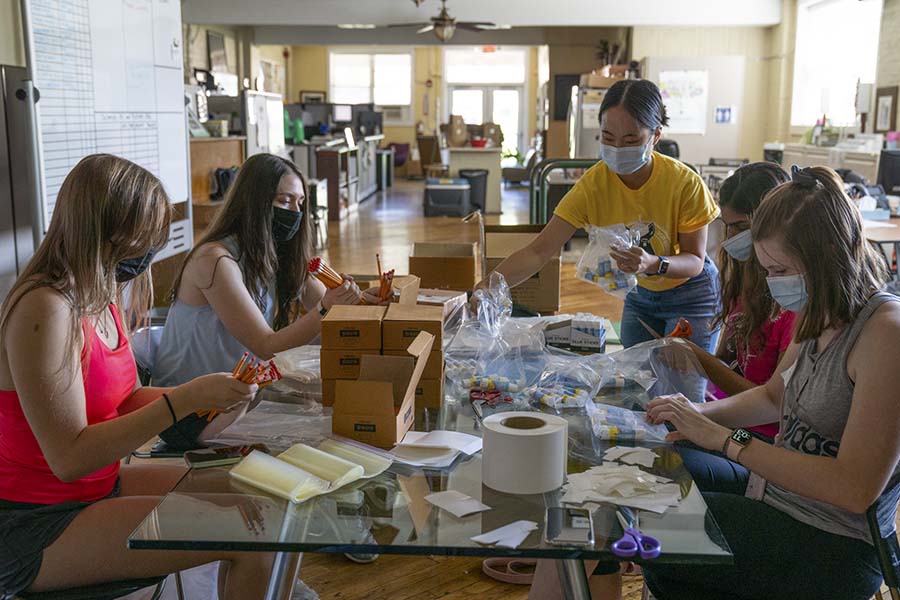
[
  {"x": 739, "y": 247},
  {"x": 627, "y": 160},
  {"x": 789, "y": 291}
]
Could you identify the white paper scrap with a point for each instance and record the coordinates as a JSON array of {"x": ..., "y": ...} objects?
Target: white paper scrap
[
  {"x": 456, "y": 503},
  {"x": 631, "y": 455},
  {"x": 435, "y": 449},
  {"x": 624, "y": 486},
  {"x": 508, "y": 536}
]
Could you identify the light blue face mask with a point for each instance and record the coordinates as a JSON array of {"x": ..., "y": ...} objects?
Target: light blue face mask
[
  {"x": 740, "y": 246},
  {"x": 789, "y": 291},
  {"x": 627, "y": 160}
]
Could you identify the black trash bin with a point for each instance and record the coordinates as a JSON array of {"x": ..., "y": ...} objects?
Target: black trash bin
[{"x": 478, "y": 186}]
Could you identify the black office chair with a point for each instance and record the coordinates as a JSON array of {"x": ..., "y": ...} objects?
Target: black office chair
[
  {"x": 668, "y": 147},
  {"x": 101, "y": 591},
  {"x": 886, "y": 543}
]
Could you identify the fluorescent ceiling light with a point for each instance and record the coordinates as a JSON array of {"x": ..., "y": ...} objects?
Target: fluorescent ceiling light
[{"x": 356, "y": 26}]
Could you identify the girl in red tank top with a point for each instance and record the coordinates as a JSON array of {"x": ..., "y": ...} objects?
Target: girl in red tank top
[{"x": 70, "y": 403}]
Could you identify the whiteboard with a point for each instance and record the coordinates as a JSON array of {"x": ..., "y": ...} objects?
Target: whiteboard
[{"x": 110, "y": 78}]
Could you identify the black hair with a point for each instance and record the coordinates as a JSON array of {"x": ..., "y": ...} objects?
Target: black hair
[
  {"x": 745, "y": 189},
  {"x": 642, "y": 100}
]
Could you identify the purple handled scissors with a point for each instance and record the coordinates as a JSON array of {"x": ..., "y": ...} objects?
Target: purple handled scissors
[{"x": 633, "y": 542}]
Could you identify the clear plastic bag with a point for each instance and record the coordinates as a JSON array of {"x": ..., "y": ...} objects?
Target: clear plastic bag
[
  {"x": 568, "y": 381},
  {"x": 638, "y": 374},
  {"x": 597, "y": 267},
  {"x": 622, "y": 425}
]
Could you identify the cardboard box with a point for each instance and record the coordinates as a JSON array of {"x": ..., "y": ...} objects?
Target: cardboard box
[
  {"x": 378, "y": 407},
  {"x": 342, "y": 364},
  {"x": 445, "y": 266},
  {"x": 403, "y": 322},
  {"x": 541, "y": 292},
  {"x": 352, "y": 328},
  {"x": 430, "y": 393},
  {"x": 328, "y": 388},
  {"x": 448, "y": 300},
  {"x": 434, "y": 368}
]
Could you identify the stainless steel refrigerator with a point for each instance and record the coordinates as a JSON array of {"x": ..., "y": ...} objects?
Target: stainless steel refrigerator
[{"x": 21, "y": 227}]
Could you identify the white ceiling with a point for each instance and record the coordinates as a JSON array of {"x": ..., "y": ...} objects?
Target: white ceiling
[{"x": 518, "y": 13}]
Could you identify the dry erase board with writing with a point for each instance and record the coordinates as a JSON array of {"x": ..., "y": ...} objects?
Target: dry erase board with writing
[{"x": 110, "y": 78}]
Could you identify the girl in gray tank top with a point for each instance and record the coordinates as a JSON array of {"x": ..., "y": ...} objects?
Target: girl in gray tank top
[{"x": 800, "y": 529}]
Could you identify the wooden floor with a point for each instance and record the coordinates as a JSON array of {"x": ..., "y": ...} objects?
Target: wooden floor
[{"x": 389, "y": 224}]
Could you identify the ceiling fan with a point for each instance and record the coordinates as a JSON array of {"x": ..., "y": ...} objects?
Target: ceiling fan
[{"x": 444, "y": 26}]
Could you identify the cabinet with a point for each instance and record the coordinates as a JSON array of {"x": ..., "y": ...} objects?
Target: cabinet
[
  {"x": 340, "y": 166},
  {"x": 207, "y": 155},
  {"x": 368, "y": 149},
  {"x": 864, "y": 163}
]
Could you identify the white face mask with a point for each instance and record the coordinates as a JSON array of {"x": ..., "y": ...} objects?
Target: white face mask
[
  {"x": 789, "y": 291},
  {"x": 627, "y": 160},
  {"x": 740, "y": 246}
]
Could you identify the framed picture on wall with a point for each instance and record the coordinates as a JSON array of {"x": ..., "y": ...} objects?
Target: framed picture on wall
[
  {"x": 886, "y": 109},
  {"x": 308, "y": 97}
]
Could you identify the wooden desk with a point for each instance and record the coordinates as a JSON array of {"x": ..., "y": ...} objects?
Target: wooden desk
[
  {"x": 885, "y": 232},
  {"x": 481, "y": 158}
]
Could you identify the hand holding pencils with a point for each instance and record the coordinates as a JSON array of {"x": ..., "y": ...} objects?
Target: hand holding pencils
[{"x": 250, "y": 370}]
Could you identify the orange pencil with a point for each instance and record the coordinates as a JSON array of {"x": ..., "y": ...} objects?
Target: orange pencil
[
  {"x": 240, "y": 364},
  {"x": 378, "y": 262}
]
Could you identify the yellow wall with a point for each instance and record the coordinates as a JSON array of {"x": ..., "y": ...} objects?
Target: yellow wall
[
  {"x": 780, "y": 43},
  {"x": 749, "y": 42},
  {"x": 11, "y": 49},
  {"x": 308, "y": 70}
]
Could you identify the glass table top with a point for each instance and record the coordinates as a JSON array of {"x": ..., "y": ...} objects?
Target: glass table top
[{"x": 388, "y": 514}]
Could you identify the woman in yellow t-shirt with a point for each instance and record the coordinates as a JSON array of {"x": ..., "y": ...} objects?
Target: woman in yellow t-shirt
[{"x": 643, "y": 189}]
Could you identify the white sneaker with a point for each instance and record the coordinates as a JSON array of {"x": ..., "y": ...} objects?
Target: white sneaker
[{"x": 303, "y": 592}]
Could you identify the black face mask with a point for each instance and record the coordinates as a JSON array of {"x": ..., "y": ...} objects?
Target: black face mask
[
  {"x": 285, "y": 224},
  {"x": 130, "y": 268}
]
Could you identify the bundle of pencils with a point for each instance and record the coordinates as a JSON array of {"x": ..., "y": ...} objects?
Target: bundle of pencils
[
  {"x": 386, "y": 280},
  {"x": 250, "y": 370},
  {"x": 319, "y": 269}
]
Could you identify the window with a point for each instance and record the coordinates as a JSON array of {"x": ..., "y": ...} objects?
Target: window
[
  {"x": 828, "y": 63},
  {"x": 360, "y": 78}
]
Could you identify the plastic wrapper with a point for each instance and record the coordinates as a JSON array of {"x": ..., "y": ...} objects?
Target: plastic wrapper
[
  {"x": 279, "y": 425},
  {"x": 655, "y": 368},
  {"x": 618, "y": 424},
  {"x": 597, "y": 267},
  {"x": 300, "y": 365},
  {"x": 568, "y": 381}
]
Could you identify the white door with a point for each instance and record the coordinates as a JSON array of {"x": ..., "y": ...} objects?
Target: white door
[{"x": 497, "y": 104}]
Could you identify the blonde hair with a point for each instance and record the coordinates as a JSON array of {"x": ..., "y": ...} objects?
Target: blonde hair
[
  {"x": 820, "y": 226},
  {"x": 107, "y": 210}
]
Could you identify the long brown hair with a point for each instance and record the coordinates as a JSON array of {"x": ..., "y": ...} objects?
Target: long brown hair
[
  {"x": 247, "y": 217},
  {"x": 821, "y": 227},
  {"x": 107, "y": 210},
  {"x": 744, "y": 282}
]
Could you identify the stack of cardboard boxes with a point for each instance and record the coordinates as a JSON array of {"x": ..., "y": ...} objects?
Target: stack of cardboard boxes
[{"x": 379, "y": 365}]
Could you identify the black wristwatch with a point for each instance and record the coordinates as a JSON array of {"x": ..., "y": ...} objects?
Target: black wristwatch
[
  {"x": 735, "y": 444},
  {"x": 322, "y": 311},
  {"x": 663, "y": 266}
]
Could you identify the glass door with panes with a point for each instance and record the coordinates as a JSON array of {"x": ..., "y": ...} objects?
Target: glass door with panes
[{"x": 495, "y": 104}]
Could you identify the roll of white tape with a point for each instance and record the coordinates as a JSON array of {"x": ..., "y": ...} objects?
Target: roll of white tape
[{"x": 524, "y": 452}]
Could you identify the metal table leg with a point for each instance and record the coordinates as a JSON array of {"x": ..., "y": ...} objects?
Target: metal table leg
[
  {"x": 574, "y": 581},
  {"x": 284, "y": 574}
]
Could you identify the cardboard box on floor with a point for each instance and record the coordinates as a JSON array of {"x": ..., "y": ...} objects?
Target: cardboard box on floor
[
  {"x": 445, "y": 266},
  {"x": 352, "y": 328},
  {"x": 378, "y": 407},
  {"x": 540, "y": 293}
]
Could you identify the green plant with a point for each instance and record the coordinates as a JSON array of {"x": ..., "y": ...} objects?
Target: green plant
[{"x": 513, "y": 153}]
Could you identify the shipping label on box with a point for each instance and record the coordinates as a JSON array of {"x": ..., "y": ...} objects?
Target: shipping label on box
[
  {"x": 342, "y": 364},
  {"x": 352, "y": 328},
  {"x": 402, "y": 323},
  {"x": 378, "y": 407}
]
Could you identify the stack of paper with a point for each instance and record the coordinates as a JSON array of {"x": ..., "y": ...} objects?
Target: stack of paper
[
  {"x": 508, "y": 536},
  {"x": 644, "y": 457},
  {"x": 457, "y": 503},
  {"x": 436, "y": 449},
  {"x": 624, "y": 486},
  {"x": 302, "y": 472}
]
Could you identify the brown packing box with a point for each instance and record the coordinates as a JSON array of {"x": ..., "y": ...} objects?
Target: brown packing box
[
  {"x": 378, "y": 407},
  {"x": 352, "y": 328},
  {"x": 445, "y": 266},
  {"x": 403, "y": 322},
  {"x": 540, "y": 293},
  {"x": 342, "y": 364},
  {"x": 328, "y": 386},
  {"x": 434, "y": 368},
  {"x": 430, "y": 393}
]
